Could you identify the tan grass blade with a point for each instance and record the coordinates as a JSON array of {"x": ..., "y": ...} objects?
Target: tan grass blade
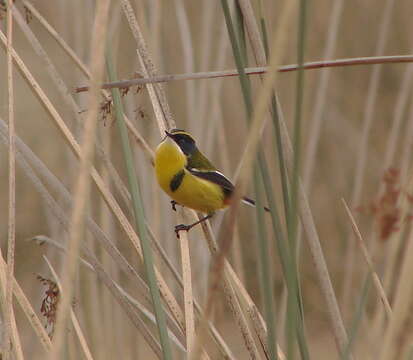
[
  {"x": 369, "y": 261},
  {"x": 188, "y": 295},
  {"x": 11, "y": 236}
]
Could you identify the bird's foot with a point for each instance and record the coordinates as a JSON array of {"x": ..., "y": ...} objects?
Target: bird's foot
[
  {"x": 181, "y": 227},
  {"x": 174, "y": 203}
]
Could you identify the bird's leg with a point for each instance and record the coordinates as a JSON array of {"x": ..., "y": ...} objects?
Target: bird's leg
[
  {"x": 174, "y": 203},
  {"x": 183, "y": 227}
]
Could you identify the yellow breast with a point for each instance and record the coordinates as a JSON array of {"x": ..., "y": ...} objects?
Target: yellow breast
[{"x": 192, "y": 192}]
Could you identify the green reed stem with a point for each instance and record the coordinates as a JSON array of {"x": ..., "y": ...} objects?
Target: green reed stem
[{"x": 139, "y": 214}]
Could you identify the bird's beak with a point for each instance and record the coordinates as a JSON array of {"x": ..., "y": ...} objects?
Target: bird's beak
[{"x": 168, "y": 135}]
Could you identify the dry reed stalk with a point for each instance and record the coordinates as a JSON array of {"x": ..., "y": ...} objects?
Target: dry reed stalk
[
  {"x": 216, "y": 268},
  {"x": 11, "y": 227},
  {"x": 370, "y": 105},
  {"x": 369, "y": 261},
  {"x": 82, "y": 340},
  {"x": 82, "y": 187},
  {"x": 370, "y": 60},
  {"x": 187, "y": 282}
]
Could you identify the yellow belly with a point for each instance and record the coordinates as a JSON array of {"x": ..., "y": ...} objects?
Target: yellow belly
[
  {"x": 197, "y": 194},
  {"x": 193, "y": 192}
]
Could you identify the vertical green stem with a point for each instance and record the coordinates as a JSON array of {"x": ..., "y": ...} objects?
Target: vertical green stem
[{"x": 139, "y": 215}]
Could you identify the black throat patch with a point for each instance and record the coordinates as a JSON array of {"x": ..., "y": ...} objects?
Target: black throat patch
[{"x": 177, "y": 180}]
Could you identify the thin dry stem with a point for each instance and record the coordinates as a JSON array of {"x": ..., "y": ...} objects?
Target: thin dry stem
[
  {"x": 11, "y": 238},
  {"x": 82, "y": 187},
  {"x": 369, "y": 261},
  {"x": 188, "y": 295},
  {"x": 371, "y": 60}
]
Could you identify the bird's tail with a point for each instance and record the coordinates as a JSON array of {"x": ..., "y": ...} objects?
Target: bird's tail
[{"x": 251, "y": 202}]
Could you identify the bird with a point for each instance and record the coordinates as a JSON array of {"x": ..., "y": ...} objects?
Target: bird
[{"x": 190, "y": 179}]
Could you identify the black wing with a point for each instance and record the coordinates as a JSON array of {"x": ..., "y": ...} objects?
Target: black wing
[{"x": 216, "y": 177}]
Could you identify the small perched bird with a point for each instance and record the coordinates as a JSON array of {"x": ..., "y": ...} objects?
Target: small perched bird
[{"x": 189, "y": 178}]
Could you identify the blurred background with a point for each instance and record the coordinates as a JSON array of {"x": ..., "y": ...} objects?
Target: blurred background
[{"x": 357, "y": 124}]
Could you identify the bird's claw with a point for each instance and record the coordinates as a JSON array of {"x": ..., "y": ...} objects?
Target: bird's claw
[{"x": 181, "y": 227}]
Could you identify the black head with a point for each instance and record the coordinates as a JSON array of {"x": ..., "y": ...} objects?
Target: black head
[{"x": 184, "y": 140}]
